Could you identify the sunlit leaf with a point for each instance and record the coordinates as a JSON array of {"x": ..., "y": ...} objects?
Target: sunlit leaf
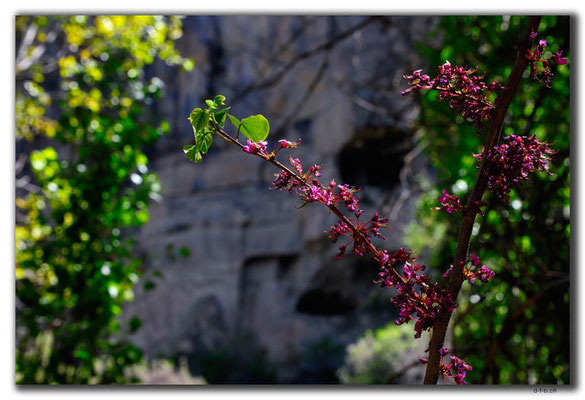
[
  {"x": 199, "y": 119},
  {"x": 192, "y": 153},
  {"x": 220, "y": 116}
]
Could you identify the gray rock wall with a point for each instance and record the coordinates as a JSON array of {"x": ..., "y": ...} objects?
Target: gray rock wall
[{"x": 259, "y": 268}]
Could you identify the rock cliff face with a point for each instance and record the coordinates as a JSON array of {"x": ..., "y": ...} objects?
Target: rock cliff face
[{"x": 260, "y": 292}]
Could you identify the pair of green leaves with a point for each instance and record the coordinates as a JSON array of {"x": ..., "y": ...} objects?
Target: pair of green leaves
[{"x": 255, "y": 127}]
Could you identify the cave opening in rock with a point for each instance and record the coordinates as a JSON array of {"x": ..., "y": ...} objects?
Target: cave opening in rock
[
  {"x": 374, "y": 157},
  {"x": 326, "y": 301}
]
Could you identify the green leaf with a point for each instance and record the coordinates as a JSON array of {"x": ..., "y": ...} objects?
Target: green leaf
[
  {"x": 204, "y": 142},
  {"x": 220, "y": 116},
  {"x": 192, "y": 153},
  {"x": 234, "y": 121},
  {"x": 199, "y": 119},
  {"x": 211, "y": 104},
  {"x": 255, "y": 128},
  {"x": 219, "y": 100}
]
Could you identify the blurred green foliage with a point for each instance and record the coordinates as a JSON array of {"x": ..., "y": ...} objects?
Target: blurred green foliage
[
  {"x": 378, "y": 356},
  {"x": 239, "y": 361},
  {"x": 83, "y": 103},
  {"x": 516, "y": 329},
  {"x": 320, "y": 361}
]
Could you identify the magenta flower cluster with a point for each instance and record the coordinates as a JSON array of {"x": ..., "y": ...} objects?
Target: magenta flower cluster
[
  {"x": 452, "y": 203},
  {"x": 456, "y": 369},
  {"x": 360, "y": 236},
  {"x": 540, "y": 67},
  {"x": 471, "y": 273},
  {"x": 256, "y": 148},
  {"x": 417, "y": 297},
  {"x": 466, "y": 92},
  {"x": 310, "y": 190},
  {"x": 484, "y": 273},
  {"x": 261, "y": 148},
  {"x": 513, "y": 161},
  {"x": 287, "y": 181},
  {"x": 449, "y": 202}
]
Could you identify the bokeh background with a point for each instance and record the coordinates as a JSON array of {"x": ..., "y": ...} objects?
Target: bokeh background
[{"x": 135, "y": 265}]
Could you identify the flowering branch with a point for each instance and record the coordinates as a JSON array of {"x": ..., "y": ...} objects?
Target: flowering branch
[
  {"x": 429, "y": 304},
  {"x": 457, "y": 275},
  {"x": 418, "y": 299},
  {"x": 290, "y": 179},
  {"x": 502, "y": 166}
]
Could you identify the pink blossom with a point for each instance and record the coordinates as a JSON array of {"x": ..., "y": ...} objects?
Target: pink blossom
[
  {"x": 484, "y": 274},
  {"x": 449, "y": 202},
  {"x": 558, "y": 59},
  {"x": 458, "y": 368},
  {"x": 285, "y": 144},
  {"x": 258, "y": 148},
  {"x": 540, "y": 67}
]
